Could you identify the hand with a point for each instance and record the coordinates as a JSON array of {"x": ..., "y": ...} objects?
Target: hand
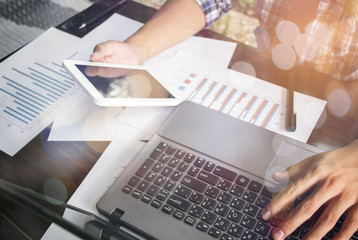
[
  {"x": 333, "y": 179},
  {"x": 115, "y": 52}
]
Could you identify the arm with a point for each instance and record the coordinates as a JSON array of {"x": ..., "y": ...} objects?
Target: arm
[
  {"x": 333, "y": 176},
  {"x": 173, "y": 23}
]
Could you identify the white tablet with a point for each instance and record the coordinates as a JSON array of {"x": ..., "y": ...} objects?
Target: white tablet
[{"x": 120, "y": 85}]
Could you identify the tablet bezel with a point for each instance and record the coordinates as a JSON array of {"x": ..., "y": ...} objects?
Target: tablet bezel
[{"x": 87, "y": 86}]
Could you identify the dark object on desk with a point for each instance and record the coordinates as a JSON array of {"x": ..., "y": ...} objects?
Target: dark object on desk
[
  {"x": 25, "y": 197},
  {"x": 87, "y": 20},
  {"x": 290, "y": 114}
]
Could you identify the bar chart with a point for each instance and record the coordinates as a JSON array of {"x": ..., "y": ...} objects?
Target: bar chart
[
  {"x": 238, "y": 103},
  {"x": 27, "y": 94}
]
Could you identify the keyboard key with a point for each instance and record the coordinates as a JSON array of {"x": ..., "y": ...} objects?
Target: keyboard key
[
  {"x": 224, "y": 185},
  {"x": 208, "y": 178},
  {"x": 136, "y": 194},
  {"x": 193, "y": 171},
  {"x": 242, "y": 181},
  {"x": 208, "y": 217},
  {"x": 156, "y": 153},
  {"x": 152, "y": 190},
  {"x": 202, "y": 226},
  {"x": 255, "y": 186},
  {"x": 224, "y": 197},
  {"x": 160, "y": 180},
  {"x": 167, "y": 171},
  {"x": 214, "y": 233},
  {"x": 182, "y": 191},
  {"x": 212, "y": 192},
  {"x": 169, "y": 185},
  {"x": 168, "y": 209},
  {"x": 190, "y": 221},
  {"x": 189, "y": 158},
  {"x": 235, "y": 230},
  {"x": 237, "y": 190},
  {"x": 133, "y": 181},
  {"x": 199, "y": 162},
  {"x": 248, "y": 235},
  {"x": 157, "y": 167},
  {"x": 194, "y": 184},
  {"x": 209, "y": 166},
  {"x": 196, "y": 197},
  {"x": 266, "y": 193},
  {"x": 222, "y": 223},
  {"x": 144, "y": 168},
  {"x": 171, "y": 150},
  {"x": 262, "y": 201},
  {"x": 156, "y": 204},
  {"x": 248, "y": 222},
  {"x": 183, "y": 166},
  {"x": 162, "y": 195},
  {"x": 251, "y": 210},
  {"x": 127, "y": 189},
  {"x": 162, "y": 146},
  {"x": 234, "y": 215},
  {"x": 178, "y": 203},
  {"x": 262, "y": 229},
  {"x": 226, "y": 237},
  {"x": 146, "y": 199},
  {"x": 143, "y": 185},
  {"x": 164, "y": 158},
  {"x": 174, "y": 162},
  {"x": 225, "y": 173},
  {"x": 237, "y": 203},
  {"x": 209, "y": 203},
  {"x": 196, "y": 211},
  {"x": 150, "y": 176},
  {"x": 249, "y": 196},
  {"x": 178, "y": 215},
  {"x": 176, "y": 175},
  {"x": 221, "y": 209},
  {"x": 179, "y": 154}
]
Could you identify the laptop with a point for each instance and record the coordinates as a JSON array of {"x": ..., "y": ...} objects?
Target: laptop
[{"x": 203, "y": 175}]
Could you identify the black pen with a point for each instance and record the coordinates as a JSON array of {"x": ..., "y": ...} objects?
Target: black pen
[
  {"x": 102, "y": 14},
  {"x": 290, "y": 114}
]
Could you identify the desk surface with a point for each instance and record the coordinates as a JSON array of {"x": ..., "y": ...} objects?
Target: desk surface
[{"x": 69, "y": 162}]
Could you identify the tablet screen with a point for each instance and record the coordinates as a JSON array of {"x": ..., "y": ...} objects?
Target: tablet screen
[{"x": 124, "y": 82}]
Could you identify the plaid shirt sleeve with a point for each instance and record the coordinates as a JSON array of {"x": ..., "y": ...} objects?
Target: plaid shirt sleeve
[{"x": 214, "y": 9}]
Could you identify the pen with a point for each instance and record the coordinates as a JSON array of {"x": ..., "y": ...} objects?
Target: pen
[
  {"x": 103, "y": 13},
  {"x": 290, "y": 114}
]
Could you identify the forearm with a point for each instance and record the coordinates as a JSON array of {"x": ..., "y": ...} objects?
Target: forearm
[{"x": 173, "y": 23}]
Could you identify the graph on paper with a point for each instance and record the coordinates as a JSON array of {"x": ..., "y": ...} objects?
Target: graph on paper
[
  {"x": 235, "y": 102},
  {"x": 27, "y": 94}
]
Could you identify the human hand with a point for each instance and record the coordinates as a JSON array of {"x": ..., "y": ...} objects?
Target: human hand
[
  {"x": 115, "y": 52},
  {"x": 333, "y": 179}
]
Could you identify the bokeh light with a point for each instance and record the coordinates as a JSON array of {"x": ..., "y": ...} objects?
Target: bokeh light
[
  {"x": 283, "y": 56},
  {"x": 244, "y": 67},
  {"x": 55, "y": 189},
  {"x": 339, "y": 102},
  {"x": 305, "y": 52},
  {"x": 287, "y": 32}
]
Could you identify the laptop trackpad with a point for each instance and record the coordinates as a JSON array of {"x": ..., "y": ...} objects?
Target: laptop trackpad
[{"x": 287, "y": 155}]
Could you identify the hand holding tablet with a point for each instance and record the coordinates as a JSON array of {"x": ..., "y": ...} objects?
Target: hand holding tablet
[{"x": 120, "y": 85}]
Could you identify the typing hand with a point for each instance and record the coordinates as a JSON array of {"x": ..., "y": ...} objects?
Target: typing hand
[
  {"x": 114, "y": 52},
  {"x": 333, "y": 179}
]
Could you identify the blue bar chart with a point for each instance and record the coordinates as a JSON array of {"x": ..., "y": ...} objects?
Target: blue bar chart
[
  {"x": 235, "y": 102},
  {"x": 29, "y": 93}
]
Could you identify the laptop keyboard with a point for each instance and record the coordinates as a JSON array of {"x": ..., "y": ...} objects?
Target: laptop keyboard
[{"x": 206, "y": 196}]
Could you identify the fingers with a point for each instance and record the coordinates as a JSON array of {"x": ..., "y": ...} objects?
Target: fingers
[
  {"x": 301, "y": 181},
  {"x": 103, "y": 51},
  {"x": 350, "y": 224},
  {"x": 302, "y": 212}
]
